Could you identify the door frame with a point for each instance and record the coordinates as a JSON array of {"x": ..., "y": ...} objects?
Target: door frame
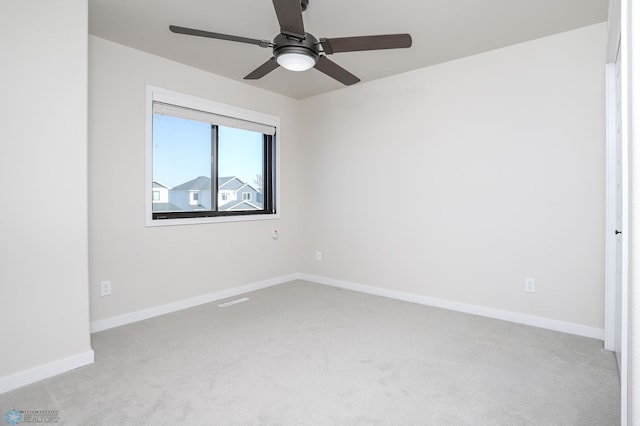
[
  {"x": 617, "y": 42},
  {"x": 611, "y": 210}
]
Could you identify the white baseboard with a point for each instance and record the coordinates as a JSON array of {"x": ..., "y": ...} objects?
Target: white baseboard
[
  {"x": 155, "y": 311},
  {"x": 549, "y": 324},
  {"x": 45, "y": 371}
]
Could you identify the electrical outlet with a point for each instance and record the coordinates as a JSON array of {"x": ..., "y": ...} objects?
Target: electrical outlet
[
  {"x": 530, "y": 285},
  {"x": 318, "y": 256},
  {"x": 105, "y": 288}
]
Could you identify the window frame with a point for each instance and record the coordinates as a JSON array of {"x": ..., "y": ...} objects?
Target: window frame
[{"x": 158, "y": 94}]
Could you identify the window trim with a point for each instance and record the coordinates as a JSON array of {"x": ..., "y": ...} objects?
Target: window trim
[{"x": 171, "y": 97}]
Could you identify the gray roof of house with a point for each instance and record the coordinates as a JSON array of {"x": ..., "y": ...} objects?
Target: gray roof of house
[
  {"x": 157, "y": 184},
  {"x": 225, "y": 179},
  {"x": 239, "y": 205},
  {"x": 198, "y": 184},
  {"x": 165, "y": 207},
  {"x": 230, "y": 183}
]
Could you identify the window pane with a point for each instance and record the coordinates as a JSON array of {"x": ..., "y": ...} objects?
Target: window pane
[
  {"x": 181, "y": 164},
  {"x": 240, "y": 169}
]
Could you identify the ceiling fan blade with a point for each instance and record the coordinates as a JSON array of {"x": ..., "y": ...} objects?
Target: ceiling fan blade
[
  {"x": 263, "y": 70},
  {"x": 201, "y": 33},
  {"x": 289, "y": 13},
  {"x": 375, "y": 42},
  {"x": 335, "y": 71}
]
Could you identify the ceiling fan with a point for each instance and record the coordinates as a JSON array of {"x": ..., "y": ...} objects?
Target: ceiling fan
[{"x": 296, "y": 50}]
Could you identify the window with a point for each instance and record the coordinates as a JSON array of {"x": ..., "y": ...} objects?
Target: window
[{"x": 198, "y": 149}]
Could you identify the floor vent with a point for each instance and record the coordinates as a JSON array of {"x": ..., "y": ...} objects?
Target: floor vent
[{"x": 233, "y": 302}]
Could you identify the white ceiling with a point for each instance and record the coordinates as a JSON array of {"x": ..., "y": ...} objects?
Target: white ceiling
[{"x": 442, "y": 30}]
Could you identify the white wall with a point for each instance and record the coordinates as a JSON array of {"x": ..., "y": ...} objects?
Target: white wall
[
  {"x": 159, "y": 265},
  {"x": 44, "y": 317},
  {"x": 496, "y": 167}
]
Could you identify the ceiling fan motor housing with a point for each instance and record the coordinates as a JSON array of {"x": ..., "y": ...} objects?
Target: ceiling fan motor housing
[{"x": 308, "y": 46}]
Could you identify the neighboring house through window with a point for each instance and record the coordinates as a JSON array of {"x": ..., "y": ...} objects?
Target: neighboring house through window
[{"x": 160, "y": 197}]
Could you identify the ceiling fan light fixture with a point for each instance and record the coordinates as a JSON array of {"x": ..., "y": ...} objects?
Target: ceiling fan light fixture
[
  {"x": 296, "y": 61},
  {"x": 298, "y": 57}
]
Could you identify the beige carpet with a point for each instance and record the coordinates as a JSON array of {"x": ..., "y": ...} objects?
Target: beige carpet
[{"x": 306, "y": 354}]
